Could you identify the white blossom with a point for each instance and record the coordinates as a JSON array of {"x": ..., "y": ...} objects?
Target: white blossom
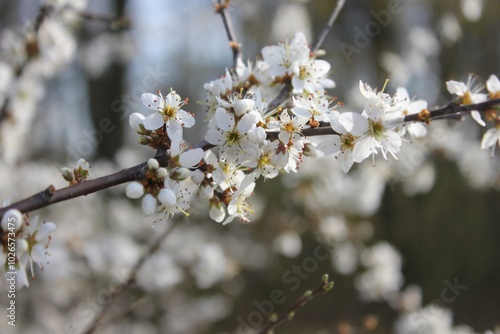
[
  {"x": 469, "y": 94},
  {"x": 168, "y": 113}
]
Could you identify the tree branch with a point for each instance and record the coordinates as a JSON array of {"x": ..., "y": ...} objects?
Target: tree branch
[
  {"x": 220, "y": 8},
  {"x": 52, "y": 196},
  {"x": 131, "y": 279},
  {"x": 275, "y": 321},
  {"x": 451, "y": 110},
  {"x": 328, "y": 26}
]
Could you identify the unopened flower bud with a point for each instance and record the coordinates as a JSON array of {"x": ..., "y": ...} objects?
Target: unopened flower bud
[
  {"x": 21, "y": 245},
  {"x": 67, "y": 174},
  {"x": 197, "y": 176},
  {"x": 179, "y": 174},
  {"x": 149, "y": 204},
  {"x": 134, "y": 190},
  {"x": 144, "y": 140},
  {"x": 217, "y": 212},
  {"x": 153, "y": 164},
  {"x": 257, "y": 135},
  {"x": 242, "y": 106},
  {"x": 12, "y": 220},
  {"x": 161, "y": 173},
  {"x": 310, "y": 150},
  {"x": 207, "y": 191}
]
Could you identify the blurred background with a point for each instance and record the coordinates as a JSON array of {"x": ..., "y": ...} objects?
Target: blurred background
[{"x": 412, "y": 244}]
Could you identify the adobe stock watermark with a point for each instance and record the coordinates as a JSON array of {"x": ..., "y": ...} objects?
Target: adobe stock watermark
[
  {"x": 448, "y": 295},
  {"x": 293, "y": 278},
  {"x": 363, "y": 37},
  {"x": 123, "y": 106}
]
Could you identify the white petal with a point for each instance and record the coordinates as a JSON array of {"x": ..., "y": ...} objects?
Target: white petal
[
  {"x": 490, "y": 138},
  {"x": 191, "y": 158},
  {"x": 363, "y": 149},
  {"x": 334, "y": 122},
  {"x": 298, "y": 85},
  {"x": 174, "y": 130},
  {"x": 45, "y": 230},
  {"x": 476, "y": 115},
  {"x": 493, "y": 84},
  {"x": 328, "y": 145},
  {"x": 154, "y": 121},
  {"x": 187, "y": 119},
  {"x": 320, "y": 67},
  {"x": 417, "y": 130},
  {"x": 326, "y": 83},
  {"x": 456, "y": 87},
  {"x": 167, "y": 198},
  {"x": 392, "y": 141},
  {"x": 38, "y": 253},
  {"x": 173, "y": 99},
  {"x": 134, "y": 190},
  {"x": 135, "y": 120},
  {"x": 345, "y": 160},
  {"x": 215, "y": 137},
  {"x": 365, "y": 89},
  {"x": 354, "y": 123},
  {"x": 301, "y": 112},
  {"x": 152, "y": 101},
  {"x": 224, "y": 120},
  {"x": 247, "y": 122}
]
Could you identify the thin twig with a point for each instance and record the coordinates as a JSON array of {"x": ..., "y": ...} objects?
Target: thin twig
[
  {"x": 328, "y": 26},
  {"x": 451, "y": 110},
  {"x": 287, "y": 89},
  {"x": 221, "y": 8},
  {"x": 131, "y": 279},
  {"x": 274, "y": 322},
  {"x": 51, "y": 196},
  {"x": 115, "y": 22}
]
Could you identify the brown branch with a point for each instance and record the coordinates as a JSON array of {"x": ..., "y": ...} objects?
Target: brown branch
[
  {"x": 328, "y": 26},
  {"x": 115, "y": 22},
  {"x": 275, "y": 321},
  {"x": 130, "y": 280},
  {"x": 451, "y": 110},
  {"x": 221, "y": 8},
  {"x": 52, "y": 196}
]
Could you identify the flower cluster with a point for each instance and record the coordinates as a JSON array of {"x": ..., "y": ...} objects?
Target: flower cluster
[
  {"x": 257, "y": 134},
  {"x": 78, "y": 174},
  {"x": 27, "y": 59},
  {"x": 469, "y": 93},
  {"x": 25, "y": 242}
]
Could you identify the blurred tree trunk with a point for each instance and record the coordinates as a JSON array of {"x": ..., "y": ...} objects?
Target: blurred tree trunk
[{"x": 102, "y": 92}]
